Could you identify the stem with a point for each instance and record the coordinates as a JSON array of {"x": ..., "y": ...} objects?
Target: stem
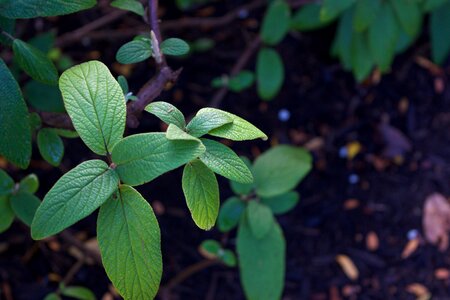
[
  {"x": 189, "y": 271},
  {"x": 6, "y": 35}
]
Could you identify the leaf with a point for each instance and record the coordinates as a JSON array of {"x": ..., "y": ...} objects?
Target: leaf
[
  {"x": 331, "y": 9},
  {"x": 439, "y": 33},
  {"x": 96, "y": 105},
  {"x": 34, "y": 62},
  {"x": 210, "y": 249},
  {"x": 243, "y": 188},
  {"x": 7, "y": 25},
  {"x": 228, "y": 258},
  {"x": 230, "y": 213},
  {"x": 141, "y": 158},
  {"x": 130, "y": 5},
  {"x": 430, "y": 5},
  {"x": 168, "y": 113},
  {"x": 123, "y": 84},
  {"x": 269, "y": 73},
  {"x": 50, "y": 146},
  {"x": 74, "y": 196},
  {"x": 52, "y": 296},
  {"x": 261, "y": 262},
  {"x": 6, "y": 184},
  {"x": 280, "y": 169},
  {"x": 238, "y": 130},
  {"x": 44, "y": 41},
  {"x": 15, "y": 133},
  {"x": 35, "y": 121},
  {"x": 362, "y": 63},
  {"x": 275, "y": 24},
  {"x": 260, "y": 219},
  {"x": 207, "y": 120},
  {"x": 78, "y": 292},
  {"x": 383, "y": 36},
  {"x": 223, "y": 161},
  {"x": 134, "y": 52},
  {"x": 201, "y": 190},
  {"x": 283, "y": 203},
  {"x": 29, "y": 184},
  {"x": 24, "y": 206},
  {"x": 174, "y": 133},
  {"x": 69, "y": 134},
  {"x": 343, "y": 40},
  {"x": 6, "y": 214},
  {"x": 409, "y": 16},
  {"x": 130, "y": 244},
  {"x": 308, "y": 18},
  {"x": 23, "y": 9},
  {"x": 174, "y": 47},
  {"x": 365, "y": 13},
  {"x": 44, "y": 97},
  {"x": 348, "y": 266},
  {"x": 241, "y": 81}
]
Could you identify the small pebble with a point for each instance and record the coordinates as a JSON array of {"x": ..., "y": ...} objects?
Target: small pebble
[
  {"x": 284, "y": 115},
  {"x": 353, "y": 178}
]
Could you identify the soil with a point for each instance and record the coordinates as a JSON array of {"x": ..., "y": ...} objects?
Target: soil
[{"x": 345, "y": 204}]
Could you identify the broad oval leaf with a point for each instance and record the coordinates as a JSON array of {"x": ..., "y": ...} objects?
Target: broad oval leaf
[
  {"x": 260, "y": 218},
  {"x": 34, "y": 62},
  {"x": 78, "y": 292},
  {"x": 238, "y": 130},
  {"x": 261, "y": 262},
  {"x": 280, "y": 169},
  {"x": 141, "y": 158},
  {"x": 308, "y": 18},
  {"x": 74, "y": 196},
  {"x": 207, "y": 120},
  {"x": 15, "y": 134},
  {"x": 6, "y": 214},
  {"x": 96, "y": 105},
  {"x": 201, "y": 190},
  {"x": 283, "y": 203},
  {"x": 243, "y": 188},
  {"x": 210, "y": 249},
  {"x": 130, "y": 5},
  {"x": 134, "y": 52},
  {"x": 167, "y": 113},
  {"x": 6, "y": 184},
  {"x": 24, "y": 206},
  {"x": 174, "y": 47},
  {"x": 50, "y": 146},
  {"x": 22, "y": 9},
  {"x": 365, "y": 13},
  {"x": 29, "y": 184},
  {"x": 130, "y": 244},
  {"x": 362, "y": 63},
  {"x": 440, "y": 33},
  {"x": 230, "y": 213},
  {"x": 241, "y": 81},
  {"x": 175, "y": 133},
  {"x": 223, "y": 161},
  {"x": 269, "y": 73},
  {"x": 275, "y": 24}
]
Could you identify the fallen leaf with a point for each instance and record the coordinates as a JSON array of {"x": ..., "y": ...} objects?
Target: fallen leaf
[
  {"x": 418, "y": 290},
  {"x": 410, "y": 248},
  {"x": 436, "y": 220},
  {"x": 442, "y": 273},
  {"x": 372, "y": 241},
  {"x": 347, "y": 266}
]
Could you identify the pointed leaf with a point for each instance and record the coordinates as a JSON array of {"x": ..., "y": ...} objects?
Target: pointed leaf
[
  {"x": 440, "y": 33},
  {"x": 275, "y": 24},
  {"x": 365, "y": 13},
  {"x": 409, "y": 16},
  {"x": 308, "y": 18},
  {"x": 168, "y": 113},
  {"x": 6, "y": 214},
  {"x": 283, "y": 203},
  {"x": 207, "y": 120},
  {"x": 331, "y": 9},
  {"x": 174, "y": 133},
  {"x": 24, "y": 206},
  {"x": 230, "y": 213},
  {"x": 96, "y": 105},
  {"x": 6, "y": 184},
  {"x": 342, "y": 42},
  {"x": 201, "y": 190},
  {"x": 260, "y": 219},
  {"x": 130, "y": 244},
  {"x": 29, "y": 184},
  {"x": 175, "y": 47},
  {"x": 269, "y": 73},
  {"x": 78, "y": 292},
  {"x": 241, "y": 81},
  {"x": 134, "y": 52},
  {"x": 141, "y": 158},
  {"x": 19, "y": 9},
  {"x": 130, "y": 5},
  {"x": 74, "y": 196},
  {"x": 210, "y": 249},
  {"x": 362, "y": 63},
  {"x": 223, "y": 161},
  {"x": 50, "y": 146}
]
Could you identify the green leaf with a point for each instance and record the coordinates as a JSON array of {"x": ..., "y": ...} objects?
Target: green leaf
[
  {"x": 134, "y": 52},
  {"x": 174, "y": 47},
  {"x": 7, "y": 25},
  {"x": 78, "y": 292},
  {"x": 52, "y": 296},
  {"x": 280, "y": 169},
  {"x": 269, "y": 73},
  {"x": 29, "y": 184},
  {"x": 50, "y": 146},
  {"x": 430, "y": 5},
  {"x": 241, "y": 81},
  {"x": 223, "y": 161},
  {"x": 6, "y": 214},
  {"x": 24, "y": 206},
  {"x": 130, "y": 5},
  {"x": 166, "y": 112},
  {"x": 44, "y": 41},
  {"x": 15, "y": 133},
  {"x": 261, "y": 262},
  {"x": 243, "y": 188},
  {"x": 201, "y": 190},
  {"x": 35, "y": 121},
  {"x": 174, "y": 133},
  {"x": 141, "y": 158},
  {"x": 383, "y": 36},
  {"x": 44, "y": 97},
  {"x": 74, "y": 196},
  {"x": 34, "y": 62},
  {"x": 96, "y": 105},
  {"x": 343, "y": 40},
  {"x": 238, "y": 130},
  {"x": 260, "y": 219},
  {"x": 308, "y": 18},
  {"x": 362, "y": 63},
  {"x": 68, "y": 134},
  {"x": 275, "y": 24},
  {"x": 440, "y": 33},
  {"x": 6, "y": 184},
  {"x": 130, "y": 244},
  {"x": 282, "y": 203},
  {"x": 331, "y": 9},
  {"x": 365, "y": 13},
  {"x": 230, "y": 213},
  {"x": 228, "y": 258},
  {"x": 210, "y": 249},
  {"x": 409, "y": 16},
  {"x": 23, "y": 9},
  {"x": 207, "y": 120},
  {"x": 123, "y": 84}
]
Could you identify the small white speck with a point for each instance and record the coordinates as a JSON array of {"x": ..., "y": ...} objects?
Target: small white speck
[{"x": 353, "y": 178}]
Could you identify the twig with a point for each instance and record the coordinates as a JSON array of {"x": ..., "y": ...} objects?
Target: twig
[
  {"x": 188, "y": 272},
  {"x": 69, "y": 238}
]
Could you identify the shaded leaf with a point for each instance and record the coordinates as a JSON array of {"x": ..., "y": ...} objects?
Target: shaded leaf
[
  {"x": 134, "y": 52},
  {"x": 409, "y": 16},
  {"x": 241, "y": 81},
  {"x": 365, "y": 13},
  {"x": 440, "y": 33},
  {"x": 331, "y": 9},
  {"x": 283, "y": 203},
  {"x": 174, "y": 47},
  {"x": 275, "y": 24},
  {"x": 24, "y": 206},
  {"x": 6, "y": 184},
  {"x": 44, "y": 97},
  {"x": 22, "y": 9},
  {"x": 308, "y": 18},
  {"x": 29, "y": 184},
  {"x": 6, "y": 214},
  {"x": 50, "y": 146},
  {"x": 260, "y": 219},
  {"x": 131, "y": 5},
  {"x": 230, "y": 213},
  {"x": 269, "y": 73}
]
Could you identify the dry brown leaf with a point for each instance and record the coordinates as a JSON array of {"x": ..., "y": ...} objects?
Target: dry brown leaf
[
  {"x": 372, "y": 241},
  {"x": 419, "y": 290},
  {"x": 442, "y": 273},
  {"x": 436, "y": 220},
  {"x": 410, "y": 248},
  {"x": 347, "y": 266}
]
